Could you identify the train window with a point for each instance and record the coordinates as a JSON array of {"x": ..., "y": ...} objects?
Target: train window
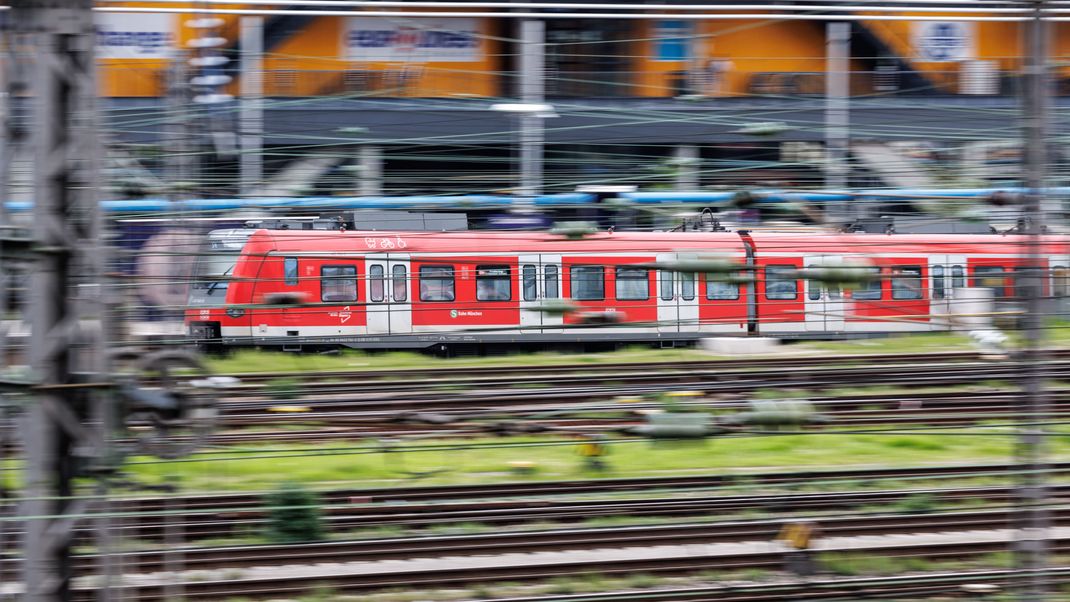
[
  {"x": 718, "y": 289},
  {"x": 813, "y": 286},
  {"x": 492, "y": 283},
  {"x": 870, "y": 288},
  {"x": 906, "y": 282},
  {"x": 400, "y": 283},
  {"x": 1024, "y": 282},
  {"x": 958, "y": 277},
  {"x": 990, "y": 276},
  {"x": 665, "y": 285},
  {"x": 1061, "y": 286},
  {"x": 436, "y": 283},
  {"x": 376, "y": 283},
  {"x": 633, "y": 284},
  {"x": 938, "y": 281},
  {"x": 588, "y": 283},
  {"x": 550, "y": 281},
  {"x": 338, "y": 283},
  {"x": 687, "y": 286},
  {"x": 289, "y": 270},
  {"x": 531, "y": 283},
  {"x": 780, "y": 282}
]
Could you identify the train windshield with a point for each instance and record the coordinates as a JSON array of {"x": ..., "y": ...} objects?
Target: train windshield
[
  {"x": 215, "y": 263},
  {"x": 212, "y": 271}
]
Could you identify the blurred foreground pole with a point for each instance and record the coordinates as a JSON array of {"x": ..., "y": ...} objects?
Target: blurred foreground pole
[
  {"x": 251, "y": 113},
  {"x": 1031, "y": 544},
  {"x": 532, "y": 91},
  {"x": 837, "y": 119},
  {"x": 61, "y": 435}
]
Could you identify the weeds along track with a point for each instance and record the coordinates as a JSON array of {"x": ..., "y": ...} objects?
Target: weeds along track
[{"x": 340, "y": 420}]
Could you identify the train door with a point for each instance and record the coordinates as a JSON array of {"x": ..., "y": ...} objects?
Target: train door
[
  {"x": 389, "y": 309},
  {"x": 824, "y": 304},
  {"x": 677, "y": 298},
  {"x": 376, "y": 283},
  {"x": 400, "y": 308},
  {"x": 540, "y": 281},
  {"x": 946, "y": 274}
]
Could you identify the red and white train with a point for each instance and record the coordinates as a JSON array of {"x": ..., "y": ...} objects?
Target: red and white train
[{"x": 423, "y": 289}]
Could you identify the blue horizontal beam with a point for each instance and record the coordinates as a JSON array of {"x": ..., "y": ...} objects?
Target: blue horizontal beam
[{"x": 550, "y": 200}]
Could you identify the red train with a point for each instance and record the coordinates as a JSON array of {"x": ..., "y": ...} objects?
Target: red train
[{"x": 302, "y": 289}]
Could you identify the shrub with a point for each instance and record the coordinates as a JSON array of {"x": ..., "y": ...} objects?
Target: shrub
[{"x": 293, "y": 515}]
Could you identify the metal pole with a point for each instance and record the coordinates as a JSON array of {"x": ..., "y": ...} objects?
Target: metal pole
[
  {"x": 532, "y": 90},
  {"x": 370, "y": 172},
  {"x": 837, "y": 125},
  {"x": 179, "y": 159},
  {"x": 67, "y": 341},
  {"x": 251, "y": 117},
  {"x": 1031, "y": 543},
  {"x": 686, "y": 157}
]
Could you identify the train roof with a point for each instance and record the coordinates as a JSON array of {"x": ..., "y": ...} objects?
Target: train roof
[{"x": 267, "y": 241}]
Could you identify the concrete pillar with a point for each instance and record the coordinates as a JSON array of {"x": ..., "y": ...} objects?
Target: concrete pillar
[{"x": 837, "y": 119}]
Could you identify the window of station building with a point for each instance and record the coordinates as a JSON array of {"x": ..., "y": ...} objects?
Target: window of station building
[
  {"x": 493, "y": 283},
  {"x": 780, "y": 283},
  {"x": 1061, "y": 281},
  {"x": 870, "y": 287},
  {"x": 958, "y": 277},
  {"x": 400, "y": 282},
  {"x": 436, "y": 283},
  {"x": 588, "y": 283},
  {"x": 938, "y": 281},
  {"x": 687, "y": 286},
  {"x": 531, "y": 282},
  {"x": 289, "y": 270},
  {"x": 633, "y": 284},
  {"x": 718, "y": 288},
  {"x": 906, "y": 282},
  {"x": 550, "y": 276},
  {"x": 338, "y": 283},
  {"x": 990, "y": 276},
  {"x": 376, "y": 283},
  {"x": 665, "y": 285}
]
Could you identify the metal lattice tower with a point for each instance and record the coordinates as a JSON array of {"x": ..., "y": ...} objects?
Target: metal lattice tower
[{"x": 63, "y": 433}]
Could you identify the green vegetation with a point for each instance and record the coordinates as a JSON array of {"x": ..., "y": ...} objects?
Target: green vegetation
[
  {"x": 250, "y": 362},
  {"x": 293, "y": 515},
  {"x": 491, "y": 460}
]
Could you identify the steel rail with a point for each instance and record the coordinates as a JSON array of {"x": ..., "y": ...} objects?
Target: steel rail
[{"x": 339, "y": 580}]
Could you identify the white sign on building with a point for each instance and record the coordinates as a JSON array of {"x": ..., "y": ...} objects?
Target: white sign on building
[
  {"x": 135, "y": 36},
  {"x": 944, "y": 41},
  {"x": 419, "y": 40}
]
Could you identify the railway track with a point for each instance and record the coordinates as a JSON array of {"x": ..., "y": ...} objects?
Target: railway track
[
  {"x": 373, "y": 550},
  {"x": 198, "y": 517},
  {"x": 885, "y": 370},
  {"x": 281, "y": 570},
  {"x": 601, "y": 368}
]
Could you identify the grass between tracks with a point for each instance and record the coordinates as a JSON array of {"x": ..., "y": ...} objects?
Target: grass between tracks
[
  {"x": 248, "y": 362},
  {"x": 437, "y": 462}
]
